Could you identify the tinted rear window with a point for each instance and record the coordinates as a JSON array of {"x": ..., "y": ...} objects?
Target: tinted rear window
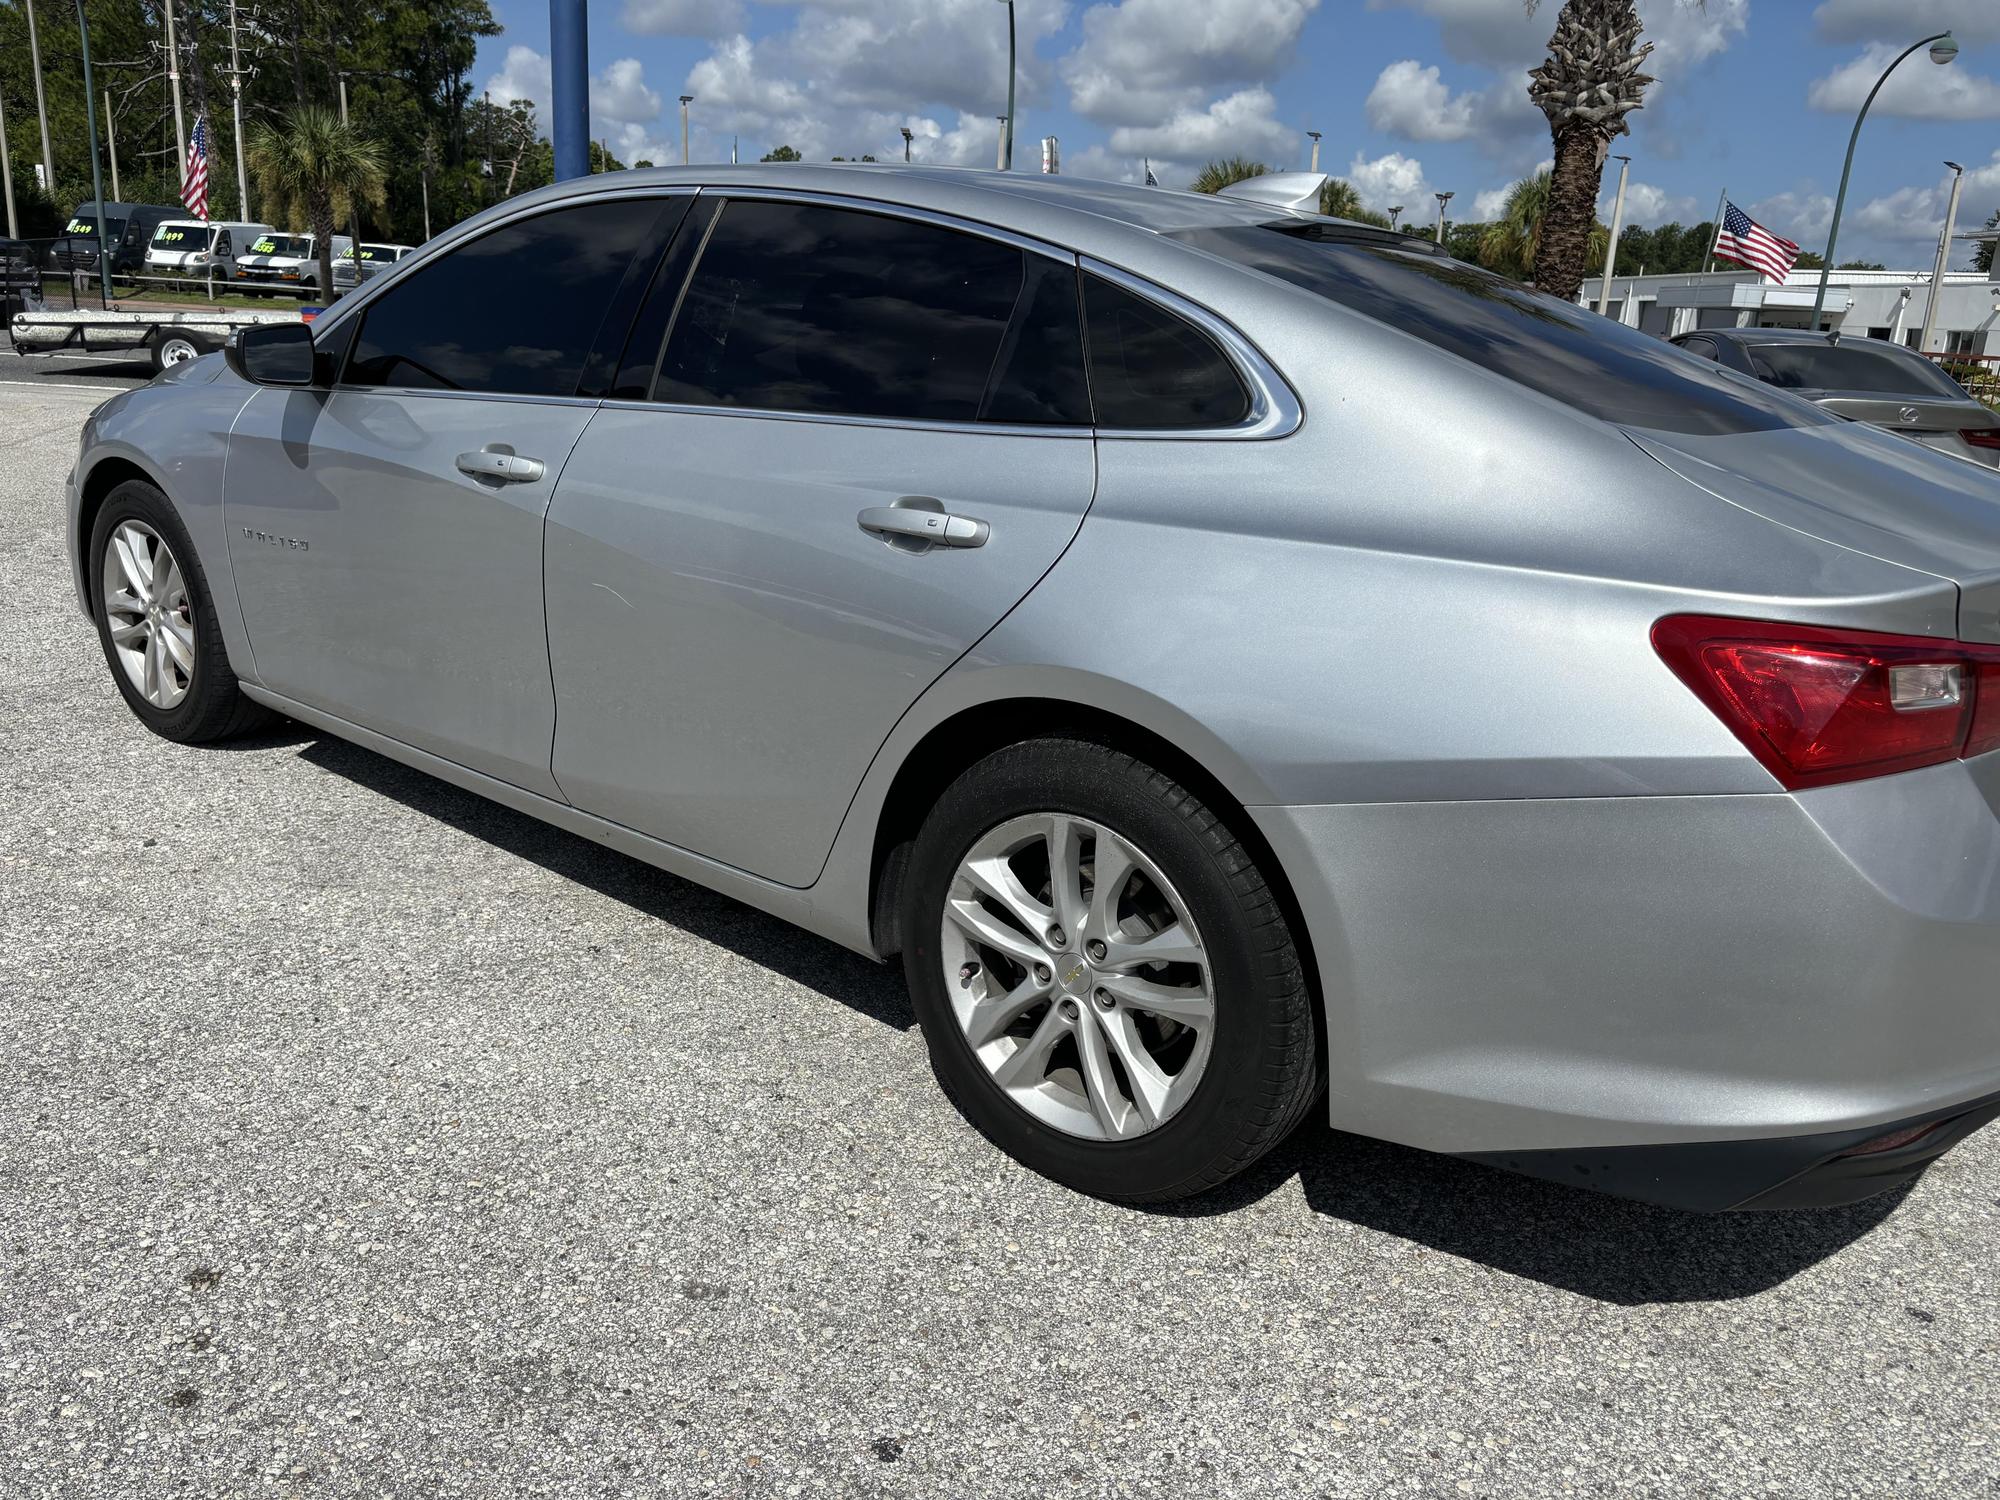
[
  {"x": 1150, "y": 368},
  {"x": 1850, "y": 367},
  {"x": 1562, "y": 350}
]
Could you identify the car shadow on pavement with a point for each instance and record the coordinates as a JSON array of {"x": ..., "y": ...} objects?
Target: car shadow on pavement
[
  {"x": 1610, "y": 1249},
  {"x": 1597, "y": 1246},
  {"x": 875, "y": 990}
]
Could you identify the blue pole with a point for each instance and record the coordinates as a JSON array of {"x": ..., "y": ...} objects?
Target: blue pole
[{"x": 569, "y": 64}]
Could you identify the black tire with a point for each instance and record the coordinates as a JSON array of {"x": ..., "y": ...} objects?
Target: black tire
[
  {"x": 214, "y": 707},
  {"x": 165, "y": 346},
  {"x": 1262, "y": 1072}
]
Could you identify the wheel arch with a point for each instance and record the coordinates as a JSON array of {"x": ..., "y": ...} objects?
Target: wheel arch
[
  {"x": 104, "y": 476},
  {"x": 961, "y": 739}
]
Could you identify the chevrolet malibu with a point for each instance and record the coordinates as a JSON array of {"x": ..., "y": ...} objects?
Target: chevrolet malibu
[{"x": 1246, "y": 664}]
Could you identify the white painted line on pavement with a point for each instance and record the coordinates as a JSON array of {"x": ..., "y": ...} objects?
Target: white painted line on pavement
[{"x": 55, "y": 385}]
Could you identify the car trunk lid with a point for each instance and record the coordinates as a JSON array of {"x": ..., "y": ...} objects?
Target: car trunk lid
[
  {"x": 1853, "y": 487},
  {"x": 1904, "y": 413}
]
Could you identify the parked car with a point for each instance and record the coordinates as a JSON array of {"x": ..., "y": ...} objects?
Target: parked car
[
  {"x": 353, "y": 268},
  {"x": 283, "y": 263},
  {"x": 20, "y": 278},
  {"x": 1861, "y": 380},
  {"x": 1247, "y": 665},
  {"x": 128, "y": 229},
  {"x": 200, "y": 250}
]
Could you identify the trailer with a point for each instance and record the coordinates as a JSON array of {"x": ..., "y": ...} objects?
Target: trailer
[{"x": 169, "y": 336}]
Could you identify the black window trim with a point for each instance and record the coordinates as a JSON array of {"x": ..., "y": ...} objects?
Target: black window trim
[{"x": 724, "y": 195}]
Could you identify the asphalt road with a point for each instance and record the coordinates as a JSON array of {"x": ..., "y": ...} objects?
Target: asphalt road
[
  {"x": 359, "y": 1138},
  {"x": 112, "y": 371}
]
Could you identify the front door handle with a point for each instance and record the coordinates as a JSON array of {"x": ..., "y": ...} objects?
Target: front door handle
[
  {"x": 500, "y": 468},
  {"x": 898, "y": 523}
]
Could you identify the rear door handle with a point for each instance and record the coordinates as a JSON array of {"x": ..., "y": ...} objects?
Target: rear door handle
[
  {"x": 500, "y": 468},
  {"x": 906, "y": 522}
]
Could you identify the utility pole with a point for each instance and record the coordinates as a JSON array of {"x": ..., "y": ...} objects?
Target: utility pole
[
  {"x": 1617, "y": 218},
  {"x": 1315, "y": 140},
  {"x": 111, "y": 142},
  {"x": 906, "y": 145},
  {"x": 1395, "y": 212},
  {"x": 1943, "y": 259},
  {"x": 236, "y": 110},
  {"x": 174, "y": 80},
  {"x": 41, "y": 104},
  {"x": 424, "y": 182},
  {"x": 1000, "y": 154},
  {"x": 686, "y": 100},
  {"x": 1007, "y": 125},
  {"x": 569, "y": 71},
  {"x": 96, "y": 167},
  {"x": 1443, "y": 199},
  {"x": 353, "y": 207},
  {"x": 7, "y": 175}
]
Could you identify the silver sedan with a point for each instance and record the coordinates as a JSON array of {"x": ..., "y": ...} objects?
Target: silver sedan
[{"x": 1246, "y": 664}]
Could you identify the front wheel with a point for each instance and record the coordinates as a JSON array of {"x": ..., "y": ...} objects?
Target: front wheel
[{"x": 1107, "y": 985}]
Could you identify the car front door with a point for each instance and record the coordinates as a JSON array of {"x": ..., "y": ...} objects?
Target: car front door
[
  {"x": 386, "y": 536},
  {"x": 867, "y": 439}
]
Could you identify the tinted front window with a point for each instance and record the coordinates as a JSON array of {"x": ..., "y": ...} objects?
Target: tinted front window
[
  {"x": 515, "y": 310},
  {"x": 281, "y": 244},
  {"x": 1850, "y": 367},
  {"x": 805, "y": 308},
  {"x": 1151, "y": 368},
  {"x": 1564, "y": 351}
]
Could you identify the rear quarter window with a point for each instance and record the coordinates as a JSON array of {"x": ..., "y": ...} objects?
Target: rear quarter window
[{"x": 1562, "y": 350}]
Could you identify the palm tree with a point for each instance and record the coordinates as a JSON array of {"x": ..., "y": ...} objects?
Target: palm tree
[
  {"x": 312, "y": 166},
  {"x": 1589, "y": 84},
  {"x": 1217, "y": 175},
  {"x": 1512, "y": 244}
]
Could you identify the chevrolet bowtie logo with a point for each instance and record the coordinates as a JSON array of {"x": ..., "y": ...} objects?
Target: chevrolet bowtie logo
[{"x": 1071, "y": 976}]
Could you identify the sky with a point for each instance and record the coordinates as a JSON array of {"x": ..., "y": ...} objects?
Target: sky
[{"x": 1411, "y": 97}]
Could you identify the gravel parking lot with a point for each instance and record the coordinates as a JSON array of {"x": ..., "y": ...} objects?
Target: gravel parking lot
[{"x": 358, "y": 1137}]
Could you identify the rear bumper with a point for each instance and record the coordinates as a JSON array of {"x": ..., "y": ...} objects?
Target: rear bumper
[{"x": 1647, "y": 987}]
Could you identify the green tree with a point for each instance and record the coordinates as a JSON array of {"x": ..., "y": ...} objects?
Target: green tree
[
  {"x": 1339, "y": 200},
  {"x": 1512, "y": 245},
  {"x": 319, "y": 169},
  {"x": 1587, "y": 86},
  {"x": 1982, "y": 258},
  {"x": 1218, "y": 175},
  {"x": 781, "y": 153}
]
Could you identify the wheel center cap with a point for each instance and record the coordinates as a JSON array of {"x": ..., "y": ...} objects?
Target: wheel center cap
[{"x": 1073, "y": 974}]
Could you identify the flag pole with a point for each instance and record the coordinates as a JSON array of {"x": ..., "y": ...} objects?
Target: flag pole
[{"x": 1721, "y": 205}]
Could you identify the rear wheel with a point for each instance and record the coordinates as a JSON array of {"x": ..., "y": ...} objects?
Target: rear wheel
[
  {"x": 1106, "y": 983},
  {"x": 157, "y": 624}
]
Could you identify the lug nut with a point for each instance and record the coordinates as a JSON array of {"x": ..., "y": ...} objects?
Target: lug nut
[
  {"x": 1069, "y": 1010},
  {"x": 1104, "y": 999},
  {"x": 1043, "y": 973},
  {"x": 1096, "y": 950},
  {"x": 1056, "y": 938}
]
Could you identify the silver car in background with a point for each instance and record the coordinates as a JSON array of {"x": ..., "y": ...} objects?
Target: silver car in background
[
  {"x": 1861, "y": 380},
  {"x": 355, "y": 265},
  {"x": 1246, "y": 664}
]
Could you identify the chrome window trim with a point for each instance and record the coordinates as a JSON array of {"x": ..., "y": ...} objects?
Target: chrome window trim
[
  {"x": 1275, "y": 411},
  {"x": 438, "y": 393},
  {"x": 1059, "y": 253},
  {"x": 839, "y": 419}
]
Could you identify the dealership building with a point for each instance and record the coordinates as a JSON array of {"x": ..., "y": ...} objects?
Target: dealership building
[{"x": 1880, "y": 304}]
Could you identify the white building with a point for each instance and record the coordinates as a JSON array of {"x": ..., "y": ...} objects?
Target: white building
[{"x": 1880, "y": 304}]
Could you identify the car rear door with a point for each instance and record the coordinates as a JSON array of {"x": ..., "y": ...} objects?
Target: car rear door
[
  {"x": 386, "y": 536},
  {"x": 866, "y": 439}
]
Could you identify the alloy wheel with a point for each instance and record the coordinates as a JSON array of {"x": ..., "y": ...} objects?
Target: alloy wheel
[
  {"x": 1077, "y": 976},
  {"x": 149, "y": 614}
]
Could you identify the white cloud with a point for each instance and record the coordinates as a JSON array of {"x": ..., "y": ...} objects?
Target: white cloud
[
  {"x": 1392, "y": 179},
  {"x": 1800, "y": 217},
  {"x": 1490, "y": 204},
  {"x": 1412, "y": 101},
  {"x": 1502, "y": 34},
  {"x": 1905, "y": 20},
  {"x": 1243, "y": 124},
  {"x": 702, "y": 18},
  {"x": 1916, "y": 214},
  {"x": 622, "y": 106},
  {"x": 1919, "y": 89},
  {"x": 1141, "y": 60},
  {"x": 619, "y": 94},
  {"x": 524, "y": 75},
  {"x": 1647, "y": 204}
]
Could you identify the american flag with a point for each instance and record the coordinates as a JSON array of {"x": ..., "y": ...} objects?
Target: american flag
[
  {"x": 194, "y": 181},
  {"x": 1746, "y": 242}
]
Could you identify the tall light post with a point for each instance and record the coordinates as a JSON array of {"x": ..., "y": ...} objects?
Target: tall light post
[
  {"x": 96, "y": 167},
  {"x": 111, "y": 142},
  {"x": 906, "y": 145},
  {"x": 1007, "y": 120},
  {"x": 569, "y": 77},
  {"x": 7, "y": 176},
  {"x": 1000, "y": 151},
  {"x": 686, "y": 100},
  {"x": 1943, "y": 50},
  {"x": 41, "y": 104},
  {"x": 174, "y": 83},
  {"x": 1943, "y": 256},
  {"x": 1395, "y": 213},
  {"x": 1315, "y": 140},
  {"x": 1443, "y": 199},
  {"x": 1611, "y": 250}
]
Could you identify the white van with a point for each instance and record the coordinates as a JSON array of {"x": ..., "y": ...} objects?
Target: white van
[
  {"x": 279, "y": 262},
  {"x": 196, "y": 251}
]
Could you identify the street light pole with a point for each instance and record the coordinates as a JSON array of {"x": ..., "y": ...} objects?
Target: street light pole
[
  {"x": 1315, "y": 140},
  {"x": 1611, "y": 250},
  {"x": 1007, "y": 125},
  {"x": 906, "y": 145},
  {"x": 111, "y": 145},
  {"x": 1443, "y": 199},
  {"x": 7, "y": 175},
  {"x": 569, "y": 76},
  {"x": 1943, "y": 256},
  {"x": 41, "y": 104},
  {"x": 1395, "y": 212},
  {"x": 1000, "y": 152},
  {"x": 174, "y": 81},
  {"x": 96, "y": 167},
  {"x": 686, "y": 100},
  {"x": 1943, "y": 50},
  {"x": 235, "y": 109}
]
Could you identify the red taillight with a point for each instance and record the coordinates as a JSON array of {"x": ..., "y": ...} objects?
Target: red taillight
[
  {"x": 1818, "y": 706},
  {"x": 1981, "y": 437}
]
